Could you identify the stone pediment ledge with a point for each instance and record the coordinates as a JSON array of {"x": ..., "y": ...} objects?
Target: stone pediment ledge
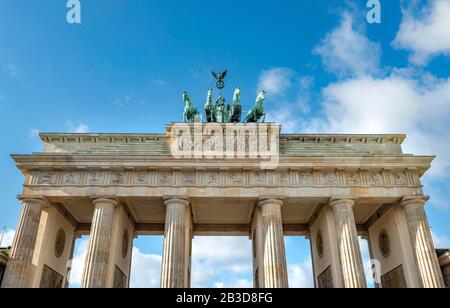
[
  {"x": 151, "y": 152},
  {"x": 43, "y": 161}
]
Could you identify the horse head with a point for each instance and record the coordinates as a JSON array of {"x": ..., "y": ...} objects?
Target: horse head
[
  {"x": 237, "y": 96},
  {"x": 186, "y": 98},
  {"x": 209, "y": 100},
  {"x": 261, "y": 97}
]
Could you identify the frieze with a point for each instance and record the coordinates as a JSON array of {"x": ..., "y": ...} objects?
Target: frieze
[
  {"x": 225, "y": 178},
  {"x": 235, "y": 179},
  {"x": 189, "y": 178},
  {"x": 283, "y": 179},
  {"x": 211, "y": 179},
  {"x": 95, "y": 178},
  {"x": 258, "y": 178},
  {"x": 71, "y": 178},
  {"x": 165, "y": 179},
  {"x": 117, "y": 179},
  {"x": 46, "y": 178},
  {"x": 353, "y": 179},
  {"x": 330, "y": 178},
  {"x": 306, "y": 179},
  {"x": 400, "y": 179},
  {"x": 140, "y": 178},
  {"x": 376, "y": 179}
]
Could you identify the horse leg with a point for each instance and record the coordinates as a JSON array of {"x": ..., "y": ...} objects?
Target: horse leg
[
  {"x": 249, "y": 117},
  {"x": 263, "y": 118}
]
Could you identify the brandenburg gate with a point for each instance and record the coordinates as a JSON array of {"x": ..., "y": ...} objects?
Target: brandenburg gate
[
  {"x": 330, "y": 188},
  {"x": 228, "y": 179}
]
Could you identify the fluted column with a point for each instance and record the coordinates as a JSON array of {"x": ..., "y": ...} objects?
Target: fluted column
[
  {"x": 348, "y": 245},
  {"x": 19, "y": 271},
  {"x": 422, "y": 243},
  {"x": 274, "y": 255},
  {"x": 174, "y": 271},
  {"x": 96, "y": 264}
]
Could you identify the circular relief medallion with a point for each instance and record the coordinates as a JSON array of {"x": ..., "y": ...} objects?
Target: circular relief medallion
[
  {"x": 319, "y": 244},
  {"x": 125, "y": 243},
  {"x": 385, "y": 245},
  {"x": 60, "y": 243}
]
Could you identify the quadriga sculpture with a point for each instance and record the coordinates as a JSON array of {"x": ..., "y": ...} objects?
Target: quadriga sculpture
[
  {"x": 236, "y": 108},
  {"x": 210, "y": 109},
  {"x": 257, "y": 113},
  {"x": 190, "y": 112}
]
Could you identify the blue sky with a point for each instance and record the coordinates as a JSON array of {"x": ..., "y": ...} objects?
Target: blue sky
[{"x": 326, "y": 69}]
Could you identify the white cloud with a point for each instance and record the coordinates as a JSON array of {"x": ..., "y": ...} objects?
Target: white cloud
[
  {"x": 410, "y": 101},
  {"x": 145, "y": 270},
  {"x": 79, "y": 128},
  {"x": 426, "y": 34},
  {"x": 79, "y": 256},
  {"x": 221, "y": 261},
  {"x": 394, "y": 104},
  {"x": 301, "y": 275},
  {"x": 367, "y": 262},
  {"x": 217, "y": 261},
  {"x": 159, "y": 82},
  {"x": 284, "y": 115},
  {"x": 8, "y": 237},
  {"x": 34, "y": 133},
  {"x": 275, "y": 81},
  {"x": 124, "y": 101},
  {"x": 347, "y": 52},
  {"x": 441, "y": 241},
  {"x": 278, "y": 82},
  {"x": 239, "y": 284},
  {"x": 305, "y": 84}
]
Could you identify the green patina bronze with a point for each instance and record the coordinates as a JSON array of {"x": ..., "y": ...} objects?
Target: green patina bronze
[
  {"x": 236, "y": 108},
  {"x": 257, "y": 113},
  {"x": 190, "y": 112},
  {"x": 210, "y": 108},
  {"x": 220, "y": 112}
]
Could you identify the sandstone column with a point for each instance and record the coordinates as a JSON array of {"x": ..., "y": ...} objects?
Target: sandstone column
[
  {"x": 175, "y": 271},
  {"x": 96, "y": 264},
  {"x": 348, "y": 245},
  {"x": 273, "y": 254},
  {"x": 422, "y": 243},
  {"x": 19, "y": 271}
]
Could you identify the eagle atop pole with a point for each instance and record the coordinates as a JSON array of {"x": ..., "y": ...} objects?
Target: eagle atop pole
[{"x": 220, "y": 84}]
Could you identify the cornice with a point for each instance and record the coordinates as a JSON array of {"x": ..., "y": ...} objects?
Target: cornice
[
  {"x": 142, "y": 138},
  {"x": 51, "y": 161}
]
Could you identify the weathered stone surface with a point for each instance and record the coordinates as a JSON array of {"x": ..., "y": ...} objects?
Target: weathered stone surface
[
  {"x": 348, "y": 245},
  {"x": 19, "y": 271},
  {"x": 271, "y": 251},
  {"x": 422, "y": 243},
  {"x": 174, "y": 265},
  {"x": 367, "y": 177},
  {"x": 96, "y": 264}
]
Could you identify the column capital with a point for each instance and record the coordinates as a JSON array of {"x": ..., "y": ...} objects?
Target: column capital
[
  {"x": 347, "y": 200},
  {"x": 77, "y": 235},
  {"x": 109, "y": 200},
  {"x": 43, "y": 202},
  {"x": 410, "y": 200},
  {"x": 176, "y": 199},
  {"x": 365, "y": 235},
  {"x": 270, "y": 200}
]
